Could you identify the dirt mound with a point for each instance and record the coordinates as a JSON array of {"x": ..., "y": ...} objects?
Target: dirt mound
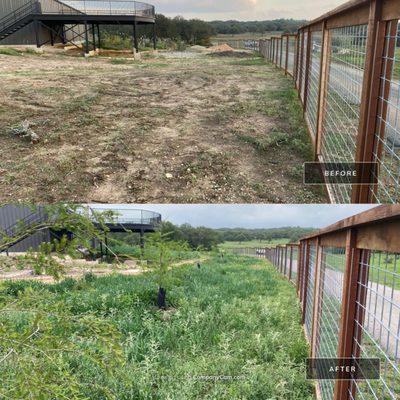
[
  {"x": 236, "y": 54},
  {"x": 221, "y": 48}
]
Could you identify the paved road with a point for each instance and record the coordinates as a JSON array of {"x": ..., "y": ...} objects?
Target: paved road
[
  {"x": 346, "y": 82},
  {"x": 382, "y": 315}
]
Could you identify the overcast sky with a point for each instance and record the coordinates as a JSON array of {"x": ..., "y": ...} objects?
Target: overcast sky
[
  {"x": 245, "y": 10},
  {"x": 250, "y": 216}
]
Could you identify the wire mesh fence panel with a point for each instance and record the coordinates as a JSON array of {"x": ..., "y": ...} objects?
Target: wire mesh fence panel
[
  {"x": 278, "y": 51},
  {"x": 313, "y": 81},
  {"x": 303, "y": 66},
  {"x": 387, "y": 131},
  {"x": 295, "y": 255},
  {"x": 308, "y": 321},
  {"x": 341, "y": 111},
  {"x": 329, "y": 311},
  {"x": 377, "y": 324},
  {"x": 298, "y": 58},
  {"x": 302, "y": 282},
  {"x": 291, "y": 54}
]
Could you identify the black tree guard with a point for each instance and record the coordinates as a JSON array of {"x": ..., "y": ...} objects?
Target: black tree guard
[{"x": 162, "y": 293}]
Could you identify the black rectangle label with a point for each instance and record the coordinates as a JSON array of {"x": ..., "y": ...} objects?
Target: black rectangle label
[
  {"x": 343, "y": 368},
  {"x": 316, "y": 173}
]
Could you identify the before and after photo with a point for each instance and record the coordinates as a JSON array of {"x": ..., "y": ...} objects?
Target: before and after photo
[{"x": 199, "y": 200}]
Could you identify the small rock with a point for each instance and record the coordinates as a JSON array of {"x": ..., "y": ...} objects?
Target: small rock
[{"x": 169, "y": 176}]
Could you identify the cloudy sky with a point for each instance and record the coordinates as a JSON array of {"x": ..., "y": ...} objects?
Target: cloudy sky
[
  {"x": 251, "y": 216},
  {"x": 245, "y": 10}
]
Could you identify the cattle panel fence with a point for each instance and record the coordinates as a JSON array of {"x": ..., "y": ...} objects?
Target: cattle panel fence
[
  {"x": 347, "y": 278},
  {"x": 346, "y": 68}
]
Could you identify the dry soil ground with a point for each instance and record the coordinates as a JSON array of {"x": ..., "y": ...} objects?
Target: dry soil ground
[
  {"x": 162, "y": 130},
  {"x": 75, "y": 268}
]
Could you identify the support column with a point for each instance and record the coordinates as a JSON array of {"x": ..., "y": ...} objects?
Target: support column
[
  {"x": 63, "y": 38},
  {"x": 86, "y": 40},
  {"x": 154, "y": 37},
  {"x": 36, "y": 24},
  {"x": 94, "y": 37},
  {"x": 51, "y": 38},
  {"x": 135, "y": 39},
  {"x": 98, "y": 36}
]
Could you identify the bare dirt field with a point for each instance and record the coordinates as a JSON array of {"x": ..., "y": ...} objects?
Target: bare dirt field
[{"x": 161, "y": 130}]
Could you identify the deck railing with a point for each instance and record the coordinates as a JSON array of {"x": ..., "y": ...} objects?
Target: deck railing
[
  {"x": 346, "y": 68},
  {"x": 98, "y": 7},
  {"x": 128, "y": 216}
]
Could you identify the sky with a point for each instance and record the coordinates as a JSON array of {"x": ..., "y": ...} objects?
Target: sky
[
  {"x": 245, "y": 10},
  {"x": 250, "y": 216}
]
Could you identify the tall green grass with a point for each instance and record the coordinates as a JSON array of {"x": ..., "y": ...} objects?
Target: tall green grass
[{"x": 103, "y": 338}]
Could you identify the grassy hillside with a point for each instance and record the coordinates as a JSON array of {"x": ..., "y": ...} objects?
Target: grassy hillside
[{"x": 103, "y": 338}]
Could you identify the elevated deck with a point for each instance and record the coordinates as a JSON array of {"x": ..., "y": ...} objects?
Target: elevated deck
[
  {"x": 123, "y": 220},
  {"x": 99, "y": 11},
  {"x": 60, "y": 19}
]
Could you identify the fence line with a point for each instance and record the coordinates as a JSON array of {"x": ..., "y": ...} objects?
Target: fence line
[
  {"x": 347, "y": 278},
  {"x": 346, "y": 68}
]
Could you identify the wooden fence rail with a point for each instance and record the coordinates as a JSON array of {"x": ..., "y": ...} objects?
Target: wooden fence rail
[{"x": 346, "y": 68}]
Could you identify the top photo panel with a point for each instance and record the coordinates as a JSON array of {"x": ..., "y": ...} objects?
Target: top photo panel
[{"x": 253, "y": 101}]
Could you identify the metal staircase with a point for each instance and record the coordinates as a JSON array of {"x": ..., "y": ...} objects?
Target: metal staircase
[
  {"x": 28, "y": 225},
  {"x": 18, "y": 19}
]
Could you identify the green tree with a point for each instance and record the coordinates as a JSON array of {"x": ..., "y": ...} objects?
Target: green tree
[{"x": 160, "y": 252}]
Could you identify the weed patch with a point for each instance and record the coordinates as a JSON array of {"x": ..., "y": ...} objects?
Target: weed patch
[
  {"x": 9, "y": 52},
  {"x": 87, "y": 339}
]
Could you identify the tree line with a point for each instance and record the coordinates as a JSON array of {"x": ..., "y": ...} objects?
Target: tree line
[
  {"x": 276, "y": 25},
  {"x": 207, "y": 238},
  {"x": 198, "y": 32}
]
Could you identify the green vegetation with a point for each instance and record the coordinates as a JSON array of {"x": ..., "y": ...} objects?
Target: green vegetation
[
  {"x": 272, "y": 235},
  {"x": 241, "y": 27},
  {"x": 249, "y": 62},
  {"x": 383, "y": 266},
  {"x": 283, "y": 103},
  {"x": 159, "y": 253},
  {"x": 178, "y": 31},
  {"x": 253, "y": 243},
  {"x": 9, "y": 52},
  {"x": 103, "y": 338}
]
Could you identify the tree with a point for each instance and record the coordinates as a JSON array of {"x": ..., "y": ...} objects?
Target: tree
[{"x": 160, "y": 253}]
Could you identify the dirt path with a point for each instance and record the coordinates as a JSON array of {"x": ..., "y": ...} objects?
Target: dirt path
[
  {"x": 78, "y": 269},
  {"x": 164, "y": 130}
]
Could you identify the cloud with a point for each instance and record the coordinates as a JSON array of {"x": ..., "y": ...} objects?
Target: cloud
[
  {"x": 245, "y": 10},
  {"x": 204, "y": 6}
]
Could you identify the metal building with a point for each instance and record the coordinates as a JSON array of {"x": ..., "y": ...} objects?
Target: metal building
[
  {"x": 12, "y": 215},
  {"x": 41, "y": 22}
]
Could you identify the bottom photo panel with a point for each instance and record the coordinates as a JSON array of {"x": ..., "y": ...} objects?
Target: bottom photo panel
[{"x": 101, "y": 301}]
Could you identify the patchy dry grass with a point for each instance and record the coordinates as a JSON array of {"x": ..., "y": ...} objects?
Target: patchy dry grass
[{"x": 226, "y": 129}]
